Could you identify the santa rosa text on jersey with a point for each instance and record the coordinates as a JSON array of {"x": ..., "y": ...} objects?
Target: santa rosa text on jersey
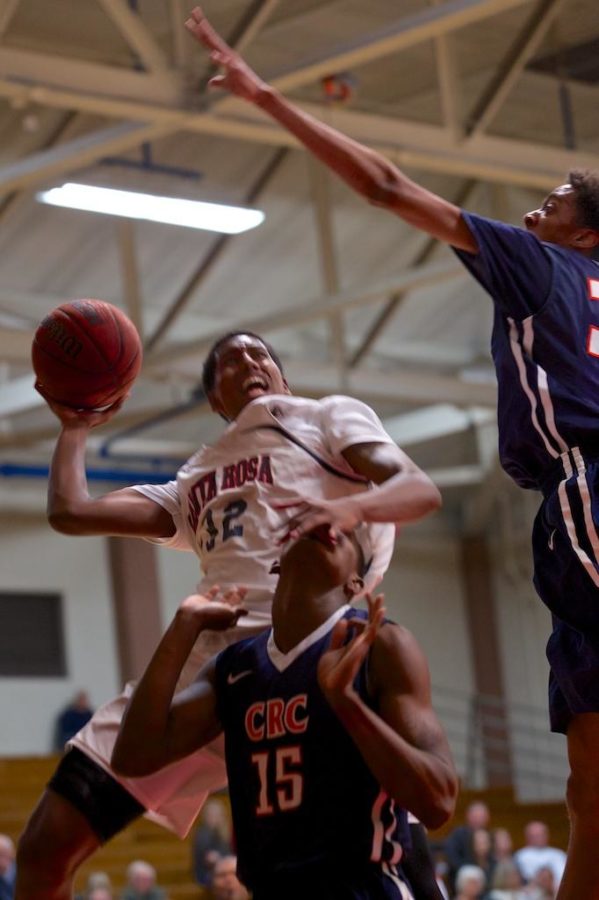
[{"x": 206, "y": 488}]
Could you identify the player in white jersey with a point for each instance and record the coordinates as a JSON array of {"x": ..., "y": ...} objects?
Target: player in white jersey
[{"x": 282, "y": 466}]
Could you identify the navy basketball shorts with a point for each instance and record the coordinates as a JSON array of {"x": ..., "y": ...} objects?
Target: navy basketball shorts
[
  {"x": 336, "y": 883},
  {"x": 566, "y": 575}
]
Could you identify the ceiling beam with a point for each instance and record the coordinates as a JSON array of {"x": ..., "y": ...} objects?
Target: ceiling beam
[
  {"x": 321, "y": 308},
  {"x": 138, "y": 37},
  {"x": 408, "y": 31},
  {"x": 253, "y": 23},
  {"x": 513, "y": 65},
  {"x": 95, "y": 79},
  {"x": 76, "y": 154}
]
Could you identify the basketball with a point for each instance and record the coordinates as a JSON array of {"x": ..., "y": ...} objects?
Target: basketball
[{"x": 86, "y": 354}]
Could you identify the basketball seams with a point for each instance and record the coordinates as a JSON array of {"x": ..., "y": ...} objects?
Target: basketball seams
[{"x": 62, "y": 349}]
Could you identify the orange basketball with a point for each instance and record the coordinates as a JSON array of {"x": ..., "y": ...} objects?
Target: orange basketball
[{"x": 86, "y": 354}]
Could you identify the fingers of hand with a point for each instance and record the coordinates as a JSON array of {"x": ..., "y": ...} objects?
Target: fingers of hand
[{"x": 339, "y": 634}]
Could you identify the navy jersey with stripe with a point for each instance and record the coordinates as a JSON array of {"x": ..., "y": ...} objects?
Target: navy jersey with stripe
[
  {"x": 545, "y": 346},
  {"x": 304, "y": 802}
]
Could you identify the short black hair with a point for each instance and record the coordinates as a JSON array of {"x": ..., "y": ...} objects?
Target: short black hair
[
  {"x": 209, "y": 367},
  {"x": 585, "y": 183}
]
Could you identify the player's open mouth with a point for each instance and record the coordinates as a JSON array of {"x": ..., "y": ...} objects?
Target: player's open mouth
[{"x": 254, "y": 383}]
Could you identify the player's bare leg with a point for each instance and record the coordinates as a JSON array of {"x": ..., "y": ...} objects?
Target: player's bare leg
[
  {"x": 56, "y": 840},
  {"x": 581, "y": 877}
]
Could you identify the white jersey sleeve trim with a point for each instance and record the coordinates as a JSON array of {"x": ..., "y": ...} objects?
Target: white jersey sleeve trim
[
  {"x": 347, "y": 421},
  {"x": 167, "y": 496}
]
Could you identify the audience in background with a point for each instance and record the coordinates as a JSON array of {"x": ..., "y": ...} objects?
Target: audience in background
[
  {"x": 71, "y": 719},
  {"x": 482, "y": 851},
  {"x": 212, "y": 839},
  {"x": 470, "y": 883},
  {"x": 225, "y": 884},
  {"x": 98, "y": 887},
  {"x": 537, "y": 853},
  {"x": 458, "y": 845},
  {"x": 7, "y": 868},
  {"x": 141, "y": 883},
  {"x": 507, "y": 883},
  {"x": 503, "y": 846},
  {"x": 543, "y": 885}
]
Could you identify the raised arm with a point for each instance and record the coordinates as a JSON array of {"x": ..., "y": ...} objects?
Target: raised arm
[
  {"x": 71, "y": 509},
  {"x": 365, "y": 171},
  {"x": 402, "y": 742},
  {"x": 159, "y": 727},
  {"x": 404, "y": 493}
]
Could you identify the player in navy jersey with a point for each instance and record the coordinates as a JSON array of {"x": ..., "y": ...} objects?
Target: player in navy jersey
[
  {"x": 545, "y": 287},
  {"x": 329, "y": 730}
]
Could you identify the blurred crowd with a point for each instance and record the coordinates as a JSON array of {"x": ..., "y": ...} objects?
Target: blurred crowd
[{"x": 474, "y": 862}]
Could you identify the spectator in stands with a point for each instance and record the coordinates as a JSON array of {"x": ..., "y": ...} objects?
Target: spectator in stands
[
  {"x": 458, "y": 845},
  {"x": 503, "y": 846},
  {"x": 537, "y": 853},
  {"x": 470, "y": 883},
  {"x": 507, "y": 883},
  {"x": 482, "y": 851},
  {"x": 141, "y": 883},
  {"x": 7, "y": 868},
  {"x": 542, "y": 886},
  {"x": 212, "y": 840},
  {"x": 225, "y": 884},
  {"x": 71, "y": 719},
  {"x": 99, "y": 893},
  {"x": 98, "y": 887}
]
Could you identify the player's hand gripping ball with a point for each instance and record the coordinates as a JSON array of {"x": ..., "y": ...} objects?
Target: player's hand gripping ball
[{"x": 86, "y": 354}]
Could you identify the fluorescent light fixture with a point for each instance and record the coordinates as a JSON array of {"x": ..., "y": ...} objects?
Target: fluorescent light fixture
[{"x": 153, "y": 208}]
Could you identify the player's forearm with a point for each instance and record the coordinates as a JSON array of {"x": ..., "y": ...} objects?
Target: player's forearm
[
  {"x": 67, "y": 483},
  {"x": 363, "y": 169},
  {"x": 145, "y": 740},
  {"x": 405, "y": 497},
  {"x": 417, "y": 780}
]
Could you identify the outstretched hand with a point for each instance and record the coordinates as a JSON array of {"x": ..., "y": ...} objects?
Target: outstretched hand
[
  {"x": 69, "y": 415},
  {"x": 216, "y": 610},
  {"x": 237, "y": 77},
  {"x": 338, "y": 667},
  {"x": 336, "y": 515}
]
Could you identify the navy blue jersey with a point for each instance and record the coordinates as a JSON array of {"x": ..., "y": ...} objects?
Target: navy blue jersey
[
  {"x": 545, "y": 347},
  {"x": 304, "y": 802}
]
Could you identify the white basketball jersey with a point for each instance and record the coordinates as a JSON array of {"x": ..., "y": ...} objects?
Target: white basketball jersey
[{"x": 224, "y": 499}]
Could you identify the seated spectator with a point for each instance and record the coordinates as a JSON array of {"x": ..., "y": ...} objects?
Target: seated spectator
[
  {"x": 98, "y": 887},
  {"x": 458, "y": 844},
  {"x": 482, "y": 851},
  {"x": 538, "y": 853},
  {"x": 7, "y": 868},
  {"x": 506, "y": 883},
  {"x": 141, "y": 883},
  {"x": 212, "y": 840},
  {"x": 99, "y": 893},
  {"x": 470, "y": 883},
  {"x": 71, "y": 719},
  {"x": 225, "y": 884},
  {"x": 503, "y": 846},
  {"x": 542, "y": 886}
]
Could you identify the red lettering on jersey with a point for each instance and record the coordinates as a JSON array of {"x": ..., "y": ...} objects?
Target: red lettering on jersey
[
  {"x": 252, "y": 468},
  {"x": 228, "y": 477},
  {"x": 593, "y": 284},
  {"x": 200, "y": 494},
  {"x": 295, "y": 724},
  {"x": 274, "y": 718},
  {"x": 241, "y": 471},
  {"x": 254, "y": 721},
  {"x": 264, "y": 472}
]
